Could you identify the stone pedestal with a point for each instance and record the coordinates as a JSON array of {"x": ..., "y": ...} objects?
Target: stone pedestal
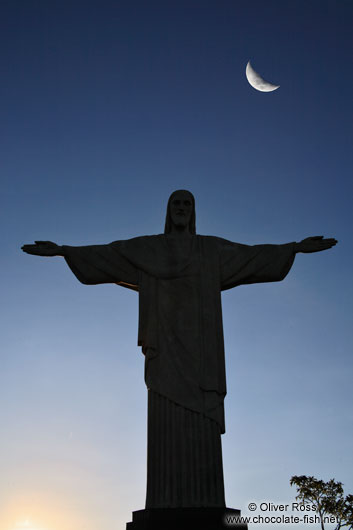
[{"x": 185, "y": 519}]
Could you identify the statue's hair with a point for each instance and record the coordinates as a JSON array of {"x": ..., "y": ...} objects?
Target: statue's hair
[{"x": 168, "y": 219}]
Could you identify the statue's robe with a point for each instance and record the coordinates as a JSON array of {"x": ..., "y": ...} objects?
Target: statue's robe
[{"x": 181, "y": 334}]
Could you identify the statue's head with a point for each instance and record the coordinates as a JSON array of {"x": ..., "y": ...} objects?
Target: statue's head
[{"x": 181, "y": 212}]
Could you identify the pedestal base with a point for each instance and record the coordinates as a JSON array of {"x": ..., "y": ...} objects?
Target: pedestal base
[{"x": 185, "y": 519}]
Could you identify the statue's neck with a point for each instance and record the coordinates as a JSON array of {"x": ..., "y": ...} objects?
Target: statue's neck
[
  {"x": 180, "y": 231},
  {"x": 180, "y": 243}
]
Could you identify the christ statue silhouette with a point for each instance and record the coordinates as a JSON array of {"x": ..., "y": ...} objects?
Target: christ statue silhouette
[{"x": 179, "y": 276}]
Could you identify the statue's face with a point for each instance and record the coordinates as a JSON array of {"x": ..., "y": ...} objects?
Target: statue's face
[{"x": 181, "y": 209}]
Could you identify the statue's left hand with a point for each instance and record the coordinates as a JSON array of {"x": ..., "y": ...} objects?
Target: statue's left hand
[{"x": 315, "y": 244}]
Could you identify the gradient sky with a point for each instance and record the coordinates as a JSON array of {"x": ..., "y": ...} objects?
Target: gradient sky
[{"x": 106, "y": 108}]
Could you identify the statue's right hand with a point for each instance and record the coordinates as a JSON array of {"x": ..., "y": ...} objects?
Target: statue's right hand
[{"x": 43, "y": 248}]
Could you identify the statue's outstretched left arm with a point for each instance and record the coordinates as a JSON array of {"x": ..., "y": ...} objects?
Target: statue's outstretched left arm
[
  {"x": 314, "y": 244},
  {"x": 244, "y": 264}
]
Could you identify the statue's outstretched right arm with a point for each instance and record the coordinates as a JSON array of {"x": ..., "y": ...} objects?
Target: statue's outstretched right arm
[
  {"x": 91, "y": 264},
  {"x": 44, "y": 248}
]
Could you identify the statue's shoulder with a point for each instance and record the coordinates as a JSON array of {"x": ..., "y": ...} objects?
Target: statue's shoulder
[
  {"x": 153, "y": 242},
  {"x": 221, "y": 245},
  {"x": 214, "y": 241},
  {"x": 137, "y": 244},
  {"x": 139, "y": 239},
  {"x": 141, "y": 249}
]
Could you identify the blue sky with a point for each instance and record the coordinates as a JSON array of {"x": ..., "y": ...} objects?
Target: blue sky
[{"x": 106, "y": 108}]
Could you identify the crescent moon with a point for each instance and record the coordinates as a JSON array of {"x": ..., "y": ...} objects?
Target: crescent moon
[{"x": 257, "y": 81}]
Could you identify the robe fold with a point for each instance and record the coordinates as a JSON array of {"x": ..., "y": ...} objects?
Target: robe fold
[{"x": 180, "y": 314}]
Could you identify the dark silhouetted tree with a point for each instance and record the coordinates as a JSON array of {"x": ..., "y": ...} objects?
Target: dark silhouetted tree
[{"x": 328, "y": 497}]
